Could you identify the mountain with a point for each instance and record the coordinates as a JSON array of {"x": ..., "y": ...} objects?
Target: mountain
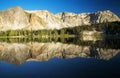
[
  {"x": 17, "y": 18},
  {"x": 72, "y": 19}
]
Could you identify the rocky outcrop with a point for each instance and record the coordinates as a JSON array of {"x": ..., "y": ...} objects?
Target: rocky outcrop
[
  {"x": 19, "y": 53},
  {"x": 72, "y": 19},
  {"x": 51, "y": 21},
  {"x": 35, "y": 22},
  {"x": 17, "y": 18},
  {"x": 13, "y": 18}
]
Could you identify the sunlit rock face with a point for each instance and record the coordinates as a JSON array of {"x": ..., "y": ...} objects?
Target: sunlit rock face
[
  {"x": 13, "y": 18},
  {"x": 51, "y": 21},
  {"x": 17, "y": 18},
  {"x": 72, "y": 19},
  {"x": 18, "y": 53}
]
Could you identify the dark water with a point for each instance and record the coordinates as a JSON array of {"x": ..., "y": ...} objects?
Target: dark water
[{"x": 90, "y": 59}]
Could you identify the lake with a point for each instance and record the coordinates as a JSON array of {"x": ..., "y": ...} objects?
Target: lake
[{"x": 60, "y": 58}]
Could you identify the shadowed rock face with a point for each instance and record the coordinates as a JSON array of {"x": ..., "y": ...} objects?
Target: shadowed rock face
[
  {"x": 19, "y": 53},
  {"x": 17, "y": 18}
]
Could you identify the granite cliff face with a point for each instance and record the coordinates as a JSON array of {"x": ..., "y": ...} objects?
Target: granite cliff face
[
  {"x": 13, "y": 18},
  {"x": 17, "y": 18},
  {"x": 72, "y": 19},
  {"x": 17, "y": 53},
  {"x": 50, "y": 20}
]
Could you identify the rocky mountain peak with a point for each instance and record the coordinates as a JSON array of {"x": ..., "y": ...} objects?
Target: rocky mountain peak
[
  {"x": 15, "y": 9},
  {"x": 13, "y": 18},
  {"x": 103, "y": 16},
  {"x": 88, "y": 18},
  {"x": 17, "y": 18}
]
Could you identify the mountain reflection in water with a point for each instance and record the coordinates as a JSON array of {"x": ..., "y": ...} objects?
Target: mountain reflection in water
[{"x": 85, "y": 59}]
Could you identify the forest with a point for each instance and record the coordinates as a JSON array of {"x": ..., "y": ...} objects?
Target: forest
[{"x": 109, "y": 28}]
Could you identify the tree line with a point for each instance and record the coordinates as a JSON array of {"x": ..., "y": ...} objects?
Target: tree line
[{"x": 107, "y": 28}]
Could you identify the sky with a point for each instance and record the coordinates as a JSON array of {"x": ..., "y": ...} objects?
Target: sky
[{"x": 55, "y": 6}]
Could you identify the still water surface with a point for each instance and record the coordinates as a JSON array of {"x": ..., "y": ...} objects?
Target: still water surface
[{"x": 69, "y": 58}]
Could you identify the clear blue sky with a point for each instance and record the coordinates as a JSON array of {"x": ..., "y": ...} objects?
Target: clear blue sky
[{"x": 55, "y": 6}]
